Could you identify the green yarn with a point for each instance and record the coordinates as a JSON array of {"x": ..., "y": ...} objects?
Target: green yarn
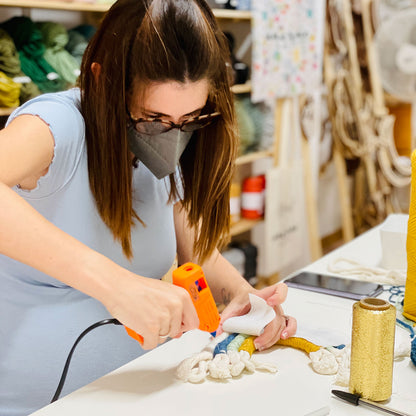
[
  {"x": 76, "y": 45},
  {"x": 88, "y": 31},
  {"x": 29, "y": 43},
  {"x": 10, "y": 65},
  {"x": 258, "y": 118},
  {"x": 235, "y": 344},
  {"x": 9, "y": 91},
  {"x": 246, "y": 126},
  {"x": 55, "y": 38},
  {"x": 9, "y": 57}
]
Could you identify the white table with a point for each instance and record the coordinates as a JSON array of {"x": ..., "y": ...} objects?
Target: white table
[{"x": 147, "y": 385}]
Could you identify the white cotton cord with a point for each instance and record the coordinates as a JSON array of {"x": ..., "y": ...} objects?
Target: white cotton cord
[
  {"x": 335, "y": 361},
  {"x": 221, "y": 367},
  {"x": 347, "y": 267},
  {"x": 324, "y": 362},
  {"x": 237, "y": 366},
  {"x": 248, "y": 361},
  {"x": 233, "y": 364},
  {"x": 213, "y": 343},
  {"x": 194, "y": 369},
  {"x": 261, "y": 366}
]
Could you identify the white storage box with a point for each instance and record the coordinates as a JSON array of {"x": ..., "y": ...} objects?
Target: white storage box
[{"x": 393, "y": 234}]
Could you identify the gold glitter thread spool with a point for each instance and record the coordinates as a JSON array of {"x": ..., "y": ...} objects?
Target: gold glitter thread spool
[
  {"x": 372, "y": 347},
  {"x": 409, "y": 306}
]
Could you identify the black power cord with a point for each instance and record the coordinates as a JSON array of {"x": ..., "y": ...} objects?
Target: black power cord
[{"x": 68, "y": 360}]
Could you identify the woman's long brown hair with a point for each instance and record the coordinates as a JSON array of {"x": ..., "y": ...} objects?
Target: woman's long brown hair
[{"x": 143, "y": 41}]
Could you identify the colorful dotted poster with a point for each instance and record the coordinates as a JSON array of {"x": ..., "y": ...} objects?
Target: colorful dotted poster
[{"x": 287, "y": 47}]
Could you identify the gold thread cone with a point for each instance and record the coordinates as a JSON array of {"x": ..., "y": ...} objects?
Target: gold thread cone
[{"x": 372, "y": 347}]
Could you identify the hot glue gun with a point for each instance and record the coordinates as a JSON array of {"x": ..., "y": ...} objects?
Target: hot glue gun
[{"x": 191, "y": 277}]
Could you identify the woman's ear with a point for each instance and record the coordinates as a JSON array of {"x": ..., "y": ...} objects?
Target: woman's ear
[{"x": 96, "y": 70}]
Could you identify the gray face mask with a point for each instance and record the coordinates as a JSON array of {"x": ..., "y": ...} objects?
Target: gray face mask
[{"x": 159, "y": 153}]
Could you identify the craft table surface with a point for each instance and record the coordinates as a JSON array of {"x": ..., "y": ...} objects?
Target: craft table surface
[{"x": 148, "y": 386}]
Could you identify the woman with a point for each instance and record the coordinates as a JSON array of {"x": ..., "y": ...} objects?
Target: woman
[{"x": 98, "y": 195}]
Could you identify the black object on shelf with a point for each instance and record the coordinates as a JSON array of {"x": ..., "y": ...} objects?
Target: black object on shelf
[
  {"x": 250, "y": 266},
  {"x": 240, "y": 69}
]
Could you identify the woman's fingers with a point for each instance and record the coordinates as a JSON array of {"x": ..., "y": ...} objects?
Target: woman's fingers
[
  {"x": 281, "y": 327},
  {"x": 278, "y": 296},
  {"x": 158, "y": 311},
  {"x": 291, "y": 327},
  {"x": 189, "y": 319}
]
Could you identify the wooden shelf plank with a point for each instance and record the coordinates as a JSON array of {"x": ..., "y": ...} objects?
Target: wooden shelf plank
[
  {"x": 57, "y": 5},
  {"x": 241, "y": 88},
  {"x": 6, "y": 111},
  {"x": 232, "y": 14},
  {"x": 243, "y": 226},
  {"x": 251, "y": 157},
  {"x": 103, "y": 7}
]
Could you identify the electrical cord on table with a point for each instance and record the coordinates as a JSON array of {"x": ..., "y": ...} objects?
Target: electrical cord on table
[{"x": 68, "y": 360}]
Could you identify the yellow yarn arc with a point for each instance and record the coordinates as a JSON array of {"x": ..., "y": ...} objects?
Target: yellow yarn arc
[
  {"x": 248, "y": 345},
  {"x": 299, "y": 343},
  {"x": 409, "y": 306},
  {"x": 294, "y": 342}
]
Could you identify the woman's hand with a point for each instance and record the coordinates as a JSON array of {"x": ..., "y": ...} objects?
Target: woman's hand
[
  {"x": 154, "y": 309},
  {"x": 282, "y": 326}
]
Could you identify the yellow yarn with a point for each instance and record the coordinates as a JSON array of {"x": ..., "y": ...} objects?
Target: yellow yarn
[
  {"x": 294, "y": 342},
  {"x": 409, "y": 306},
  {"x": 248, "y": 345},
  {"x": 299, "y": 343},
  {"x": 9, "y": 91}
]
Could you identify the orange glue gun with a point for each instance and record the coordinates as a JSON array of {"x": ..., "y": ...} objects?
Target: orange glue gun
[{"x": 191, "y": 277}]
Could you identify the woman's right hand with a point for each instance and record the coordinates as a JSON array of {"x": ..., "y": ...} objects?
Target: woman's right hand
[{"x": 153, "y": 308}]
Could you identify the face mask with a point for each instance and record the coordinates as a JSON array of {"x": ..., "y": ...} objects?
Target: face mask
[{"x": 159, "y": 153}]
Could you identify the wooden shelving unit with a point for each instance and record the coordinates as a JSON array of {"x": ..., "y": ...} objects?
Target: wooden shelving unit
[
  {"x": 241, "y": 88},
  {"x": 243, "y": 226},
  {"x": 251, "y": 157},
  {"x": 57, "y": 5},
  {"x": 232, "y": 14},
  {"x": 103, "y": 7}
]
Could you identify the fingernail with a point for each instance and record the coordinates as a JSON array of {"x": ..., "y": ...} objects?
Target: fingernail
[
  {"x": 284, "y": 335},
  {"x": 258, "y": 347}
]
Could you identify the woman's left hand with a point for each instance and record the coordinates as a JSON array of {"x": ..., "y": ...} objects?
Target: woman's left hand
[{"x": 281, "y": 327}]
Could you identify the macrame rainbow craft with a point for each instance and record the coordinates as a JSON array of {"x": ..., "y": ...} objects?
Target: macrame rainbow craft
[{"x": 230, "y": 355}]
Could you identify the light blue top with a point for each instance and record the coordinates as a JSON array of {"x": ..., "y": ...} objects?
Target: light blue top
[{"x": 40, "y": 317}]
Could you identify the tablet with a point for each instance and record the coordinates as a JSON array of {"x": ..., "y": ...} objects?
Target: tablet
[{"x": 337, "y": 286}]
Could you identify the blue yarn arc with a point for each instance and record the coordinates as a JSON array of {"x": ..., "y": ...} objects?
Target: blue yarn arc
[
  {"x": 413, "y": 351},
  {"x": 221, "y": 348},
  {"x": 413, "y": 336}
]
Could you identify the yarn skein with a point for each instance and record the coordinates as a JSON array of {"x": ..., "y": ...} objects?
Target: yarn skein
[
  {"x": 9, "y": 91},
  {"x": 55, "y": 38},
  {"x": 76, "y": 45},
  {"x": 29, "y": 43},
  {"x": 10, "y": 65}
]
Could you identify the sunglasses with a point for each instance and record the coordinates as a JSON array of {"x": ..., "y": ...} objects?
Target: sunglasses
[{"x": 152, "y": 126}]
